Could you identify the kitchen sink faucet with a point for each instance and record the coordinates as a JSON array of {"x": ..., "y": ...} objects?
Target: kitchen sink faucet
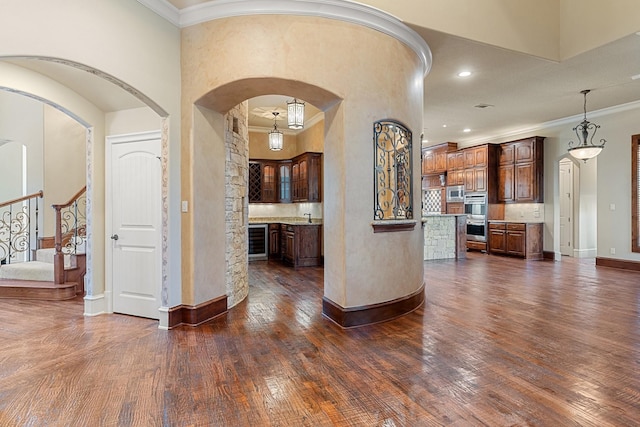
[{"x": 309, "y": 217}]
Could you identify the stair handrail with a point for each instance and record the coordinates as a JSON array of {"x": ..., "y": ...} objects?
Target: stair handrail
[
  {"x": 22, "y": 199},
  {"x": 58, "y": 257},
  {"x": 15, "y": 231},
  {"x": 74, "y": 198}
]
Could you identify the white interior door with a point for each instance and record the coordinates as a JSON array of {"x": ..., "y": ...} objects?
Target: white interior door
[
  {"x": 566, "y": 207},
  {"x": 136, "y": 226}
]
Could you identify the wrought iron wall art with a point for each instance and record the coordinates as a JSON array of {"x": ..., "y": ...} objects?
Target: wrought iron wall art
[{"x": 393, "y": 171}]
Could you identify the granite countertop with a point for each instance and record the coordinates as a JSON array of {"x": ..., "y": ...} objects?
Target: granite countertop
[
  {"x": 285, "y": 220},
  {"x": 517, "y": 221}
]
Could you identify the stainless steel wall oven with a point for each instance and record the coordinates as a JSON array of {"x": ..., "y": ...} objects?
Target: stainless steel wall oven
[{"x": 475, "y": 207}]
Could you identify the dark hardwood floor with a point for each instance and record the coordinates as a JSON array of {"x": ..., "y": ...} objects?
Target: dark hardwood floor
[{"x": 499, "y": 342}]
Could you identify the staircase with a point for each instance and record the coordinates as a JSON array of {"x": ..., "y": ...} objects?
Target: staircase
[{"x": 56, "y": 269}]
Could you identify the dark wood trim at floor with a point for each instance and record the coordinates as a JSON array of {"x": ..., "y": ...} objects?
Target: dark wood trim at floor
[
  {"x": 618, "y": 263},
  {"x": 549, "y": 255},
  {"x": 370, "y": 314},
  {"x": 194, "y": 315}
]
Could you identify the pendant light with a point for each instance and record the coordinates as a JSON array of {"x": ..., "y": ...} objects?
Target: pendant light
[
  {"x": 275, "y": 136},
  {"x": 295, "y": 114},
  {"x": 586, "y": 149}
]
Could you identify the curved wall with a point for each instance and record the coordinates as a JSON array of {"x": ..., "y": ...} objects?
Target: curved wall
[{"x": 356, "y": 75}]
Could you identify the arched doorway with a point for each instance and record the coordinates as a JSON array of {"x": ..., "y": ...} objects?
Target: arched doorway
[{"x": 30, "y": 76}]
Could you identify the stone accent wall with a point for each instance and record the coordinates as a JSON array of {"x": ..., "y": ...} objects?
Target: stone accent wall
[
  {"x": 439, "y": 237},
  {"x": 236, "y": 203}
]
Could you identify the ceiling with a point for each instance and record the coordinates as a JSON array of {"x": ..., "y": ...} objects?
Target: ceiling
[{"x": 522, "y": 92}]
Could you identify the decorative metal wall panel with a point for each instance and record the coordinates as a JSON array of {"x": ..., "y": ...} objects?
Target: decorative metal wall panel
[{"x": 393, "y": 171}]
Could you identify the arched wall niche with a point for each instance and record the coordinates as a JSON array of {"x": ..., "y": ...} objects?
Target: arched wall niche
[{"x": 381, "y": 78}]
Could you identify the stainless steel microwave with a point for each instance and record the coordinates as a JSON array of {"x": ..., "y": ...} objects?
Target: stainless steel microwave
[{"x": 455, "y": 194}]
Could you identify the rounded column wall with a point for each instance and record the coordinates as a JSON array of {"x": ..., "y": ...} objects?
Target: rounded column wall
[{"x": 357, "y": 76}]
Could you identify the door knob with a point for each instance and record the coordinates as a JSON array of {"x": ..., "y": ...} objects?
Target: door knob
[{"x": 115, "y": 237}]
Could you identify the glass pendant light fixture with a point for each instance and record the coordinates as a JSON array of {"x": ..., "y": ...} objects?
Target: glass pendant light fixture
[
  {"x": 275, "y": 136},
  {"x": 295, "y": 114},
  {"x": 585, "y": 149}
]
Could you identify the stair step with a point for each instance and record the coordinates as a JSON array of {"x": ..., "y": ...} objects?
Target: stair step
[
  {"x": 31, "y": 270},
  {"x": 47, "y": 255},
  {"x": 30, "y": 289}
]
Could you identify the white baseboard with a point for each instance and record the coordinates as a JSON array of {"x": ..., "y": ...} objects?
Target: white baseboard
[
  {"x": 94, "y": 305},
  {"x": 585, "y": 253},
  {"x": 164, "y": 318}
]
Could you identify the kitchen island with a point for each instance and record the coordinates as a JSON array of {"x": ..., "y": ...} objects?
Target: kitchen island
[{"x": 445, "y": 236}]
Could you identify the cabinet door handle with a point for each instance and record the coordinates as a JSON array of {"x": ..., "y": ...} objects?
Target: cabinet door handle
[{"x": 115, "y": 237}]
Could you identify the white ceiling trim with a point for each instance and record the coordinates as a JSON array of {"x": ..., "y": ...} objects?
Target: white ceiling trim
[
  {"x": 164, "y": 9},
  {"x": 342, "y": 10},
  {"x": 568, "y": 121}
]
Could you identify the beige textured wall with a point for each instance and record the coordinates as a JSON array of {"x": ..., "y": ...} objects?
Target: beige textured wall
[
  {"x": 311, "y": 139},
  {"x": 259, "y": 147},
  {"x": 552, "y": 29},
  {"x": 65, "y": 166},
  {"x": 229, "y": 60}
]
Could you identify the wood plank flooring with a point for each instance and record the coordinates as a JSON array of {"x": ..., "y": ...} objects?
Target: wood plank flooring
[{"x": 499, "y": 342}]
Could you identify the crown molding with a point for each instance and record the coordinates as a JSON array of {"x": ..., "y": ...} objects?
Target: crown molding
[
  {"x": 568, "y": 121},
  {"x": 164, "y": 9},
  {"x": 341, "y": 10}
]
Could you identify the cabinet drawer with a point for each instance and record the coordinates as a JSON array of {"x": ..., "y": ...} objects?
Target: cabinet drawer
[
  {"x": 497, "y": 226},
  {"x": 516, "y": 227}
]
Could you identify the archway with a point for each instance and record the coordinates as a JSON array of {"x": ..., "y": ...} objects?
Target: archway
[
  {"x": 36, "y": 84},
  {"x": 232, "y": 146}
]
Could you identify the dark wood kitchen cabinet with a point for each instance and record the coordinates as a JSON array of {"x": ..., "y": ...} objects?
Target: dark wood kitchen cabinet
[
  {"x": 434, "y": 158},
  {"x": 305, "y": 177},
  {"x": 262, "y": 182},
  {"x": 520, "y": 171},
  {"x": 480, "y": 170},
  {"x": 274, "y": 241},
  {"x": 455, "y": 168},
  {"x": 301, "y": 244},
  {"x": 284, "y": 181},
  {"x": 522, "y": 240}
]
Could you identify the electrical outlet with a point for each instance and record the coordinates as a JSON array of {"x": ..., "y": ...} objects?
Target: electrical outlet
[
  {"x": 185, "y": 206},
  {"x": 612, "y": 207},
  {"x": 612, "y": 251}
]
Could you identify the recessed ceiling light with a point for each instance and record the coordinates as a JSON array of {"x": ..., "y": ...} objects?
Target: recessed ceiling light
[
  {"x": 464, "y": 73},
  {"x": 466, "y": 130},
  {"x": 444, "y": 126},
  {"x": 636, "y": 77}
]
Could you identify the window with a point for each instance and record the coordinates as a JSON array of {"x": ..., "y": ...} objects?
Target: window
[
  {"x": 393, "y": 183},
  {"x": 635, "y": 193}
]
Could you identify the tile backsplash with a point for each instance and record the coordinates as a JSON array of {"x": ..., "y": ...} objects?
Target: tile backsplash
[
  {"x": 524, "y": 212},
  {"x": 431, "y": 202},
  {"x": 284, "y": 210}
]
